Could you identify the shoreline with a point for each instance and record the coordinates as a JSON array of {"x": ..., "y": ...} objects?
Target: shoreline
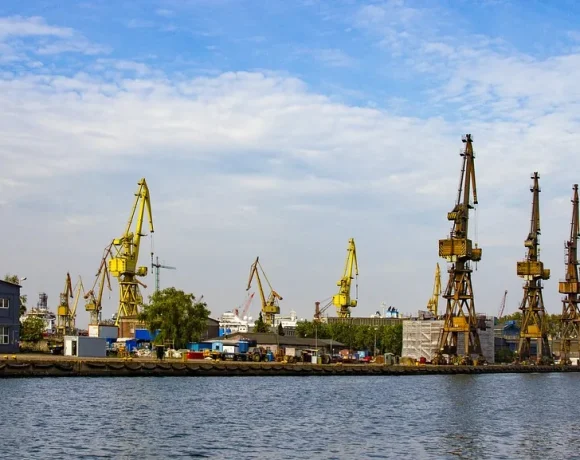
[{"x": 114, "y": 367}]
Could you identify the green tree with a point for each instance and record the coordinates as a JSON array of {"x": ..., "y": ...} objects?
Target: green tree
[
  {"x": 281, "y": 329},
  {"x": 15, "y": 279},
  {"x": 392, "y": 339},
  {"x": 260, "y": 325},
  {"x": 177, "y": 316},
  {"x": 31, "y": 329}
]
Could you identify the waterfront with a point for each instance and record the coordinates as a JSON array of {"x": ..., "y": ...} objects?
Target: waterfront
[{"x": 341, "y": 417}]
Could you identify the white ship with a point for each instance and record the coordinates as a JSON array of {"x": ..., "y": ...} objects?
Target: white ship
[{"x": 41, "y": 311}]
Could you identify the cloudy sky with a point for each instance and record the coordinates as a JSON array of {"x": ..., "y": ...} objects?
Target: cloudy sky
[{"x": 281, "y": 129}]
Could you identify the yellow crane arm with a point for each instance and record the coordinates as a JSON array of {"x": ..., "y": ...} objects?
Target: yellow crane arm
[
  {"x": 254, "y": 272},
  {"x": 79, "y": 288},
  {"x": 142, "y": 196},
  {"x": 343, "y": 300}
]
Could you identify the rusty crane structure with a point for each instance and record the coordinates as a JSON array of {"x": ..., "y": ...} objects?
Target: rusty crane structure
[
  {"x": 460, "y": 252},
  {"x": 570, "y": 287},
  {"x": 533, "y": 272}
]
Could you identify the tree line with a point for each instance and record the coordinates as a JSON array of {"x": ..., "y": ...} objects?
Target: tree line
[{"x": 388, "y": 338}]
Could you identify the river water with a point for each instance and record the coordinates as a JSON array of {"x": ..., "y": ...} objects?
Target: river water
[{"x": 504, "y": 416}]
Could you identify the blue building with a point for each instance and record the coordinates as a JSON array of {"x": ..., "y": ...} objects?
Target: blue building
[{"x": 9, "y": 317}]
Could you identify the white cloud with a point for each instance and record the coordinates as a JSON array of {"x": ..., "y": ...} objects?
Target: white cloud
[{"x": 18, "y": 26}]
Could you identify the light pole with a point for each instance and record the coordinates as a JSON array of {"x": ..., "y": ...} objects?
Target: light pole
[{"x": 375, "y": 351}]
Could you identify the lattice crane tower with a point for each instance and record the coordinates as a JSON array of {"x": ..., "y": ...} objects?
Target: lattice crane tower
[
  {"x": 533, "y": 271},
  {"x": 570, "y": 287},
  {"x": 459, "y": 250}
]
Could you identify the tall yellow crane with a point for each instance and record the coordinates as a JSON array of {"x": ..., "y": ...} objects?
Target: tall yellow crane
[
  {"x": 125, "y": 250},
  {"x": 63, "y": 312},
  {"x": 534, "y": 326},
  {"x": 270, "y": 305},
  {"x": 458, "y": 249},
  {"x": 342, "y": 301},
  {"x": 571, "y": 288},
  {"x": 433, "y": 303},
  {"x": 94, "y": 303}
]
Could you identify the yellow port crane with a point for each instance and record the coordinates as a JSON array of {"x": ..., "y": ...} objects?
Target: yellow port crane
[
  {"x": 433, "y": 303},
  {"x": 342, "y": 301},
  {"x": 66, "y": 315},
  {"x": 458, "y": 249},
  {"x": 125, "y": 255},
  {"x": 532, "y": 270},
  {"x": 270, "y": 305},
  {"x": 63, "y": 312},
  {"x": 94, "y": 303},
  {"x": 534, "y": 326},
  {"x": 571, "y": 288}
]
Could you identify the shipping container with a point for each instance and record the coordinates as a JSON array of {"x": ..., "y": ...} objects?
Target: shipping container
[
  {"x": 102, "y": 331},
  {"x": 85, "y": 347}
]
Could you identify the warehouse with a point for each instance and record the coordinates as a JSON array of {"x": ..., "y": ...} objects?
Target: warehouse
[
  {"x": 273, "y": 341},
  {"x": 9, "y": 317}
]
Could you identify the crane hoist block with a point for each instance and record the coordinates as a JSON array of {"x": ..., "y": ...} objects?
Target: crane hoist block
[
  {"x": 568, "y": 287},
  {"x": 117, "y": 266},
  {"x": 535, "y": 269},
  {"x": 453, "y": 248}
]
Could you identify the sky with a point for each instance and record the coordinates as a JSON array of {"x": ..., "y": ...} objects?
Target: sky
[{"x": 281, "y": 129}]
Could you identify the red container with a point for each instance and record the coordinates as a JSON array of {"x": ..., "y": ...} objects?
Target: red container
[{"x": 194, "y": 355}]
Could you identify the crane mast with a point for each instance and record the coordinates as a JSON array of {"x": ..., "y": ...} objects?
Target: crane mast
[
  {"x": 123, "y": 264},
  {"x": 64, "y": 318},
  {"x": 342, "y": 301},
  {"x": 433, "y": 304},
  {"x": 270, "y": 305},
  {"x": 94, "y": 303},
  {"x": 570, "y": 287},
  {"x": 458, "y": 249},
  {"x": 532, "y": 270},
  {"x": 156, "y": 267},
  {"x": 502, "y": 306}
]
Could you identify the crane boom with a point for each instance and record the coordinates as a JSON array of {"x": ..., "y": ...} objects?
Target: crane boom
[
  {"x": 502, "y": 306},
  {"x": 342, "y": 301},
  {"x": 94, "y": 303},
  {"x": 63, "y": 319},
  {"x": 123, "y": 264},
  {"x": 270, "y": 305},
  {"x": 433, "y": 304}
]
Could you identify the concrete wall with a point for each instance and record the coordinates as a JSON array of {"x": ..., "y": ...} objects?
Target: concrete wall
[{"x": 9, "y": 317}]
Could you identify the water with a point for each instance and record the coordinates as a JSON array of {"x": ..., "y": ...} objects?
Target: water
[{"x": 527, "y": 416}]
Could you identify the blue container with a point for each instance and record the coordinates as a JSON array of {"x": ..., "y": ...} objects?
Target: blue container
[
  {"x": 244, "y": 346},
  {"x": 220, "y": 331}
]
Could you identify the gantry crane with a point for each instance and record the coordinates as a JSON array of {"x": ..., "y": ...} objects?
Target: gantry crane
[
  {"x": 63, "y": 313},
  {"x": 571, "y": 288},
  {"x": 459, "y": 250},
  {"x": 94, "y": 302},
  {"x": 342, "y": 301},
  {"x": 123, "y": 264},
  {"x": 502, "y": 305},
  {"x": 270, "y": 305},
  {"x": 433, "y": 303},
  {"x": 156, "y": 266},
  {"x": 532, "y": 270}
]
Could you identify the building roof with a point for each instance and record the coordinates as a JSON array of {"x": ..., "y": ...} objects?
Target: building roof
[
  {"x": 268, "y": 338},
  {"x": 9, "y": 284}
]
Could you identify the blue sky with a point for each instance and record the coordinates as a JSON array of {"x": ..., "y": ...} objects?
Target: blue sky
[{"x": 282, "y": 129}]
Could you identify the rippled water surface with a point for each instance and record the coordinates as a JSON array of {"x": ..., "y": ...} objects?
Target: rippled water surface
[{"x": 485, "y": 416}]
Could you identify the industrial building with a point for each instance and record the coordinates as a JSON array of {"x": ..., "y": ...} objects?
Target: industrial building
[
  {"x": 273, "y": 341},
  {"x": 9, "y": 317},
  {"x": 421, "y": 339},
  {"x": 365, "y": 321}
]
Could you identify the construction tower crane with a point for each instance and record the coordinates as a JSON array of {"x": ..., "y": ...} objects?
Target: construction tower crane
[
  {"x": 533, "y": 271},
  {"x": 123, "y": 264},
  {"x": 156, "y": 266},
  {"x": 94, "y": 302},
  {"x": 433, "y": 303},
  {"x": 571, "y": 288},
  {"x": 342, "y": 301},
  {"x": 270, "y": 306},
  {"x": 63, "y": 314},
  {"x": 459, "y": 250},
  {"x": 502, "y": 306}
]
